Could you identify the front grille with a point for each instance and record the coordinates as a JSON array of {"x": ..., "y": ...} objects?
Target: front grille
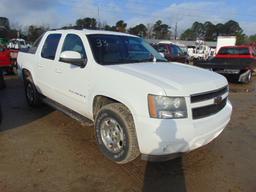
[
  {"x": 208, "y": 95},
  {"x": 206, "y": 111}
]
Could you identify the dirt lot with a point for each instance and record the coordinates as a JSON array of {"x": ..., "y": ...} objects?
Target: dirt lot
[{"x": 42, "y": 150}]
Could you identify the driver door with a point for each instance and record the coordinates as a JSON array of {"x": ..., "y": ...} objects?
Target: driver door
[{"x": 72, "y": 80}]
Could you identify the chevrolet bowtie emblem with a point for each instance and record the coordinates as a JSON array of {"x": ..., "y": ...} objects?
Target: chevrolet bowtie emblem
[{"x": 217, "y": 100}]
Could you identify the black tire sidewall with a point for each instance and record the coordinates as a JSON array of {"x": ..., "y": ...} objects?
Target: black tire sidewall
[
  {"x": 117, "y": 157},
  {"x": 35, "y": 101}
]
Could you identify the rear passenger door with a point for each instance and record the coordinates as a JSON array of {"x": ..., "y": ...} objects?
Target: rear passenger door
[
  {"x": 46, "y": 65},
  {"x": 72, "y": 81}
]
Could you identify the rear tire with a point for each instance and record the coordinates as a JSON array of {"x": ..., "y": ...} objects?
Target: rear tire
[
  {"x": 32, "y": 95},
  {"x": 115, "y": 133}
]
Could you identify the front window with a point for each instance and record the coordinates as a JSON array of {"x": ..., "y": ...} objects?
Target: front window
[
  {"x": 118, "y": 49},
  {"x": 74, "y": 43}
]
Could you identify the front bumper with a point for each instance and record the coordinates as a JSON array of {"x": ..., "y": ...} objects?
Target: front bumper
[{"x": 168, "y": 136}]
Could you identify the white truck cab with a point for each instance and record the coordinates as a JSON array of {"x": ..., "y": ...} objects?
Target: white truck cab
[{"x": 138, "y": 102}]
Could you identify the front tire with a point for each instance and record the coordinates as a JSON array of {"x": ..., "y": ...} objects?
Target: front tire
[{"x": 115, "y": 133}]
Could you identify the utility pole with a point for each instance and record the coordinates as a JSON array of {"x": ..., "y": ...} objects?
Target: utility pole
[
  {"x": 176, "y": 31},
  {"x": 99, "y": 24}
]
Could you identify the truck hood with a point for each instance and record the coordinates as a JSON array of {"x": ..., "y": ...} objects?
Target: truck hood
[{"x": 176, "y": 79}]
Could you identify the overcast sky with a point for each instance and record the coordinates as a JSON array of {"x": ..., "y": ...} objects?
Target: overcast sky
[{"x": 56, "y": 13}]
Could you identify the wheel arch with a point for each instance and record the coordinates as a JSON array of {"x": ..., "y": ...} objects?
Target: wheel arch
[
  {"x": 26, "y": 74},
  {"x": 101, "y": 100}
]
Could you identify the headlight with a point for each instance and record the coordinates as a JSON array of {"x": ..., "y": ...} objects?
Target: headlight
[{"x": 164, "y": 107}]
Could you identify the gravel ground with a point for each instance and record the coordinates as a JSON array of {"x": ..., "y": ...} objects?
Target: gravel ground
[{"x": 42, "y": 150}]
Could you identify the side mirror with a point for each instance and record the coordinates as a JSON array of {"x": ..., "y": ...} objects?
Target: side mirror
[{"x": 73, "y": 58}]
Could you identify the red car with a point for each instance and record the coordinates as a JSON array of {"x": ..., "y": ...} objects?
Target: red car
[
  {"x": 171, "y": 52},
  {"x": 234, "y": 62},
  {"x": 7, "y": 58}
]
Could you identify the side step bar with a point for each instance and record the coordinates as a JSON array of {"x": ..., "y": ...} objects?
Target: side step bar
[{"x": 83, "y": 120}]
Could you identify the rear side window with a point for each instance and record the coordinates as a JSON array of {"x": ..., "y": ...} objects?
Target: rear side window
[
  {"x": 50, "y": 46},
  {"x": 234, "y": 51},
  {"x": 74, "y": 43}
]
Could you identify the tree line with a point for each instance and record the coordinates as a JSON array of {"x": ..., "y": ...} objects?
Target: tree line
[
  {"x": 204, "y": 31},
  {"x": 158, "y": 30},
  {"x": 209, "y": 32}
]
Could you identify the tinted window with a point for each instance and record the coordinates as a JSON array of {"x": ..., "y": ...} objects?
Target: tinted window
[
  {"x": 50, "y": 46},
  {"x": 234, "y": 51},
  {"x": 176, "y": 51},
  {"x": 74, "y": 43}
]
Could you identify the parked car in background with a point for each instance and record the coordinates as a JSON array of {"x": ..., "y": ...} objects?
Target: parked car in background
[
  {"x": 200, "y": 51},
  {"x": 18, "y": 44},
  {"x": 237, "y": 63},
  {"x": 171, "y": 52},
  {"x": 7, "y": 62},
  {"x": 138, "y": 102}
]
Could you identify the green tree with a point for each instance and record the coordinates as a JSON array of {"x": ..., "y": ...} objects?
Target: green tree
[
  {"x": 140, "y": 30},
  {"x": 121, "y": 26},
  {"x": 109, "y": 28},
  {"x": 199, "y": 30},
  {"x": 252, "y": 38},
  {"x": 161, "y": 30},
  {"x": 33, "y": 32},
  {"x": 210, "y": 31},
  {"x": 188, "y": 35},
  {"x": 232, "y": 28},
  {"x": 87, "y": 23},
  {"x": 4, "y": 27}
]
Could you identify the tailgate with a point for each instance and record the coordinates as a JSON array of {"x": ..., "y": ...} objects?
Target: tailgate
[{"x": 227, "y": 63}]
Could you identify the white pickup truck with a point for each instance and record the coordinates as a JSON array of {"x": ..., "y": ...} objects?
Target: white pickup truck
[{"x": 138, "y": 102}]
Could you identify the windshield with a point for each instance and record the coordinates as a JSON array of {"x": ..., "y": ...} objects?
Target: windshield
[
  {"x": 176, "y": 51},
  {"x": 22, "y": 42},
  {"x": 234, "y": 51},
  {"x": 118, "y": 49}
]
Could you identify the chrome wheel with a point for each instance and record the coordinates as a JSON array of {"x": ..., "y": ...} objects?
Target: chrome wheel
[{"x": 112, "y": 135}]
